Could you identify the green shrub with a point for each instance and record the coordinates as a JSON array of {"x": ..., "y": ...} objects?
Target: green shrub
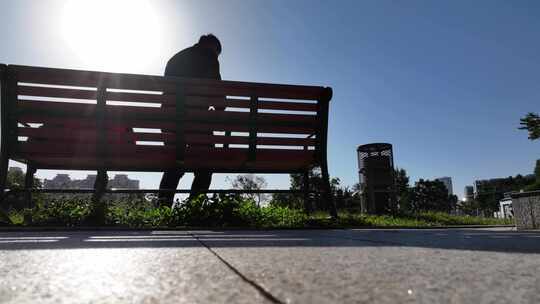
[
  {"x": 138, "y": 216},
  {"x": 62, "y": 212},
  {"x": 219, "y": 212},
  {"x": 445, "y": 219},
  {"x": 533, "y": 187},
  {"x": 271, "y": 216}
]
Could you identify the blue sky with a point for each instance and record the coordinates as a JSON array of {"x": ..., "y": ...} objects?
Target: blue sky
[{"x": 444, "y": 81}]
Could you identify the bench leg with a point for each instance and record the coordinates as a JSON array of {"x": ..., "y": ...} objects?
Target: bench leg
[
  {"x": 3, "y": 179},
  {"x": 29, "y": 184},
  {"x": 307, "y": 200},
  {"x": 328, "y": 190},
  {"x": 100, "y": 185},
  {"x": 99, "y": 209},
  {"x": 3, "y": 175}
]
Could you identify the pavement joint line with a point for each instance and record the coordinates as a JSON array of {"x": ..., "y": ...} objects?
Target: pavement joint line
[{"x": 265, "y": 293}]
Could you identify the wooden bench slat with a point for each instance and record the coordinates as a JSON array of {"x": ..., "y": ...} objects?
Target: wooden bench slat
[
  {"x": 157, "y": 114},
  {"x": 269, "y": 141},
  {"x": 202, "y": 87},
  {"x": 287, "y": 118},
  {"x": 77, "y": 123},
  {"x": 85, "y": 149},
  {"x": 57, "y": 92},
  {"x": 56, "y": 108},
  {"x": 161, "y": 164},
  {"x": 55, "y": 135},
  {"x": 287, "y": 106},
  {"x": 268, "y": 90},
  {"x": 231, "y": 90},
  {"x": 230, "y": 116},
  {"x": 158, "y": 152},
  {"x": 56, "y": 76},
  {"x": 112, "y": 112},
  {"x": 189, "y": 127},
  {"x": 218, "y": 102},
  {"x": 140, "y": 97},
  {"x": 93, "y": 79},
  {"x": 90, "y": 135},
  {"x": 276, "y": 141},
  {"x": 205, "y": 102},
  {"x": 203, "y": 127}
]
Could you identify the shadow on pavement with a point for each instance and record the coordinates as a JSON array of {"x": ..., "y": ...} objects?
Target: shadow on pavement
[{"x": 459, "y": 239}]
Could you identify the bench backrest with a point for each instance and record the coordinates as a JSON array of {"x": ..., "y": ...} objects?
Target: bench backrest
[{"x": 70, "y": 119}]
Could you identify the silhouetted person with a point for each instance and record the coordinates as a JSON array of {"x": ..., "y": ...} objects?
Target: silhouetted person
[{"x": 198, "y": 61}]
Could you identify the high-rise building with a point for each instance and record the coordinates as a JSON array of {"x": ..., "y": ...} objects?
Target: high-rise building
[
  {"x": 60, "y": 181},
  {"x": 63, "y": 181},
  {"x": 447, "y": 181},
  {"x": 120, "y": 181},
  {"x": 469, "y": 193}
]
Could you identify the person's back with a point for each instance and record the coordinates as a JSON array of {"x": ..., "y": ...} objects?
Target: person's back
[
  {"x": 194, "y": 62},
  {"x": 198, "y": 61}
]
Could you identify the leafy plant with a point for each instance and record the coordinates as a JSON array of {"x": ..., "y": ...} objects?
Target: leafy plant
[
  {"x": 531, "y": 123},
  {"x": 221, "y": 212}
]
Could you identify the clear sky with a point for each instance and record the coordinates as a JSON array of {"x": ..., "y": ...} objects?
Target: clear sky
[{"x": 444, "y": 81}]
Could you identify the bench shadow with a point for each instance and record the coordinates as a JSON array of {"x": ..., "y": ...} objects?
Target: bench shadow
[{"x": 456, "y": 239}]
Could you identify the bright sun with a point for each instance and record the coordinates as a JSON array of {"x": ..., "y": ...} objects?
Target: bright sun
[{"x": 113, "y": 35}]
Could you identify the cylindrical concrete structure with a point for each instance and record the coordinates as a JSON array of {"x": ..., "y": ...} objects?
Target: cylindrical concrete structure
[{"x": 376, "y": 172}]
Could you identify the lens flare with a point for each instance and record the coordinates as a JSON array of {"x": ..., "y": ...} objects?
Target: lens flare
[{"x": 118, "y": 35}]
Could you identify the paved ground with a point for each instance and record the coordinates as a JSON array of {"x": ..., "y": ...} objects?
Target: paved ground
[{"x": 317, "y": 266}]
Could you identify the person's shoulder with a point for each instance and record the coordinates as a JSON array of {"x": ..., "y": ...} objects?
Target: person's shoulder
[
  {"x": 190, "y": 51},
  {"x": 180, "y": 62}
]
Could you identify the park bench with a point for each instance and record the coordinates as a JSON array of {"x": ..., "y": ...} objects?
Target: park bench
[{"x": 83, "y": 120}]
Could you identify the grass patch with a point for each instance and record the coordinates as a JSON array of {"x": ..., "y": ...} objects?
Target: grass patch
[
  {"x": 221, "y": 212},
  {"x": 420, "y": 220}
]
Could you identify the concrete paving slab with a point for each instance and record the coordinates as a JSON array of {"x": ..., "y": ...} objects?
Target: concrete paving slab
[
  {"x": 392, "y": 266},
  {"x": 120, "y": 267},
  {"x": 280, "y": 266}
]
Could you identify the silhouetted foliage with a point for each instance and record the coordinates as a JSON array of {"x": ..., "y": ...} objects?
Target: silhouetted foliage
[
  {"x": 403, "y": 190},
  {"x": 490, "y": 192},
  {"x": 469, "y": 207},
  {"x": 536, "y": 185},
  {"x": 531, "y": 123},
  {"x": 537, "y": 171},
  {"x": 15, "y": 180},
  {"x": 250, "y": 182},
  {"x": 431, "y": 195},
  {"x": 342, "y": 196}
]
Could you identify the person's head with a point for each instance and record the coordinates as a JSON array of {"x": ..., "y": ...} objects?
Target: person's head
[{"x": 210, "y": 42}]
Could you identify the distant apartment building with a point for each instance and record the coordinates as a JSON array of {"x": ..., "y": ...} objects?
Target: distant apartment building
[
  {"x": 469, "y": 193},
  {"x": 447, "y": 181},
  {"x": 63, "y": 181},
  {"x": 120, "y": 181},
  {"x": 60, "y": 181}
]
